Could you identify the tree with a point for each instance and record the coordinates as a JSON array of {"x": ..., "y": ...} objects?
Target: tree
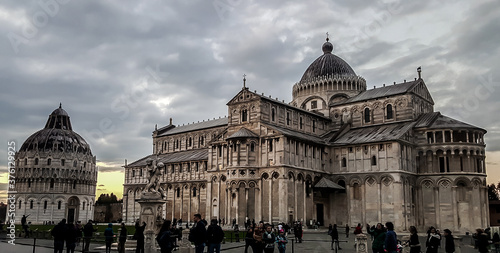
[{"x": 493, "y": 192}]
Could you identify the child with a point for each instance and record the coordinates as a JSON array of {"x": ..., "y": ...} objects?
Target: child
[{"x": 281, "y": 239}]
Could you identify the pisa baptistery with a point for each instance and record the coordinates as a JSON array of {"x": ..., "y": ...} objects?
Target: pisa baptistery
[{"x": 56, "y": 174}]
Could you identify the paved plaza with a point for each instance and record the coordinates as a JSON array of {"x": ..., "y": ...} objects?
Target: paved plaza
[{"x": 314, "y": 241}]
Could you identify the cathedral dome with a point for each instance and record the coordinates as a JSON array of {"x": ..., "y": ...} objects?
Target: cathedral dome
[
  {"x": 57, "y": 136},
  {"x": 327, "y": 64}
]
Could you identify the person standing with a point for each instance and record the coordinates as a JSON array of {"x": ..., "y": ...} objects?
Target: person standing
[
  {"x": 482, "y": 241},
  {"x": 198, "y": 234},
  {"x": 88, "y": 231},
  {"x": 378, "y": 234},
  {"x": 334, "y": 233},
  {"x": 391, "y": 239},
  {"x": 59, "y": 234},
  {"x": 258, "y": 245},
  {"x": 122, "y": 239},
  {"x": 433, "y": 240},
  {"x": 249, "y": 241},
  {"x": 70, "y": 238},
  {"x": 414, "y": 243},
  {"x": 450, "y": 243},
  {"x": 496, "y": 242},
  {"x": 215, "y": 235},
  {"x": 164, "y": 238},
  {"x": 78, "y": 227},
  {"x": 346, "y": 230},
  {"x": 108, "y": 234},
  {"x": 139, "y": 236},
  {"x": 25, "y": 226},
  {"x": 269, "y": 239},
  {"x": 282, "y": 241},
  {"x": 358, "y": 230}
]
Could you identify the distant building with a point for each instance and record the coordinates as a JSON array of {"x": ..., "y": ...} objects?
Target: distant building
[
  {"x": 108, "y": 212},
  {"x": 337, "y": 153},
  {"x": 56, "y": 174},
  {"x": 494, "y": 212}
]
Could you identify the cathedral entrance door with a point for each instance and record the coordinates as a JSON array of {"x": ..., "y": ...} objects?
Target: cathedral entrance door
[
  {"x": 320, "y": 214},
  {"x": 71, "y": 215},
  {"x": 73, "y": 206}
]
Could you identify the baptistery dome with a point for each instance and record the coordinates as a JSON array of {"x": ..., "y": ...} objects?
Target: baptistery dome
[{"x": 56, "y": 173}]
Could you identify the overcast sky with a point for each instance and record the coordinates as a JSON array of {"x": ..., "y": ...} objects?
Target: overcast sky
[{"x": 120, "y": 67}]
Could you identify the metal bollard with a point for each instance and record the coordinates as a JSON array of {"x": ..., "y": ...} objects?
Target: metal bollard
[{"x": 34, "y": 244}]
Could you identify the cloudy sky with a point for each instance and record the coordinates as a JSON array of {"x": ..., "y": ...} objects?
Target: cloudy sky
[{"x": 120, "y": 67}]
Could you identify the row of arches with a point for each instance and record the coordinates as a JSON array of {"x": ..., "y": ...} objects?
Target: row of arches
[{"x": 329, "y": 83}]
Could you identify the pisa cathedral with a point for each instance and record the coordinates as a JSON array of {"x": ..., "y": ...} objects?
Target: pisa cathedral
[
  {"x": 56, "y": 174},
  {"x": 337, "y": 153}
]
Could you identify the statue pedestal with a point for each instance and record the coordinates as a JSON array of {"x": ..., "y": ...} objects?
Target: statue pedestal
[
  {"x": 151, "y": 213},
  {"x": 361, "y": 243},
  {"x": 185, "y": 245}
]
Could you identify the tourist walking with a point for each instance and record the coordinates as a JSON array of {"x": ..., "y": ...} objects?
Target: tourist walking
[
  {"x": 414, "y": 243},
  {"x": 449, "y": 246},
  {"x": 249, "y": 241},
  {"x": 139, "y": 236},
  {"x": 378, "y": 233},
  {"x": 391, "y": 239},
  {"x": 269, "y": 239},
  {"x": 59, "y": 234},
  {"x": 258, "y": 246},
  {"x": 71, "y": 238},
  {"x": 482, "y": 241},
  {"x": 164, "y": 237},
  {"x": 197, "y": 234},
  {"x": 79, "y": 229},
  {"x": 215, "y": 235},
  {"x": 282, "y": 241},
  {"x": 88, "y": 231},
  {"x": 108, "y": 235},
  {"x": 334, "y": 233},
  {"x": 122, "y": 239},
  {"x": 433, "y": 240}
]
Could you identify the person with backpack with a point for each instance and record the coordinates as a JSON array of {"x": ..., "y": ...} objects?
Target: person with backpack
[
  {"x": 282, "y": 241},
  {"x": 215, "y": 235},
  {"x": 164, "y": 237}
]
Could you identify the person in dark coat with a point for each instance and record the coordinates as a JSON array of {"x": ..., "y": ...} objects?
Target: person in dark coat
[
  {"x": 139, "y": 236},
  {"x": 496, "y": 242},
  {"x": 269, "y": 239},
  {"x": 108, "y": 234},
  {"x": 164, "y": 238},
  {"x": 71, "y": 234},
  {"x": 198, "y": 234},
  {"x": 482, "y": 241},
  {"x": 450, "y": 243},
  {"x": 378, "y": 234},
  {"x": 88, "y": 231},
  {"x": 59, "y": 234},
  {"x": 433, "y": 240},
  {"x": 391, "y": 239},
  {"x": 215, "y": 235},
  {"x": 346, "y": 230},
  {"x": 122, "y": 239},
  {"x": 414, "y": 243},
  {"x": 334, "y": 233},
  {"x": 249, "y": 241}
]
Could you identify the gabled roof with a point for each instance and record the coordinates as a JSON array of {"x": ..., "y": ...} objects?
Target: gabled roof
[
  {"x": 379, "y": 133},
  {"x": 243, "y": 133},
  {"x": 328, "y": 184},
  {"x": 296, "y": 134},
  {"x": 183, "y": 156},
  {"x": 196, "y": 126},
  {"x": 389, "y": 90},
  {"x": 436, "y": 120}
]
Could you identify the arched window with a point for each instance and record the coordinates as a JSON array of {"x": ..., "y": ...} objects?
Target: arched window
[
  {"x": 244, "y": 115},
  {"x": 314, "y": 126},
  {"x": 389, "y": 111},
  {"x": 190, "y": 142},
  {"x": 374, "y": 160},
  {"x": 36, "y": 161},
  {"x": 300, "y": 123},
  {"x": 74, "y": 184},
  {"x": 341, "y": 183},
  {"x": 177, "y": 144},
  {"x": 83, "y": 206},
  {"x": 20, "y": 204},
  {"x": 252, "y": 147},
  {"x": 49, "y": 161},
  {"x": 367, "y": 115},
  {"x": 270, "y": 143},
  {"x": 178, "y": 192},
  {"x": 59, "y": 204},
  {"x": 31, "y": 204},
  {"x": 63, "y": 162},
  {"x": 85, "y": 164},
  {"x": 45, "y": 205},
  {"x": 51, "y": 183},
  {"x": 74, "y": 163},
  {"x": 344, "y": 162},
  {"x": 29, "y": 183},
  {"x": 194, "y": 192},
  {"x": 25, "y": 161},
  {"x": 201, "y": 140},
  {"x": 273, "y": 114}
]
